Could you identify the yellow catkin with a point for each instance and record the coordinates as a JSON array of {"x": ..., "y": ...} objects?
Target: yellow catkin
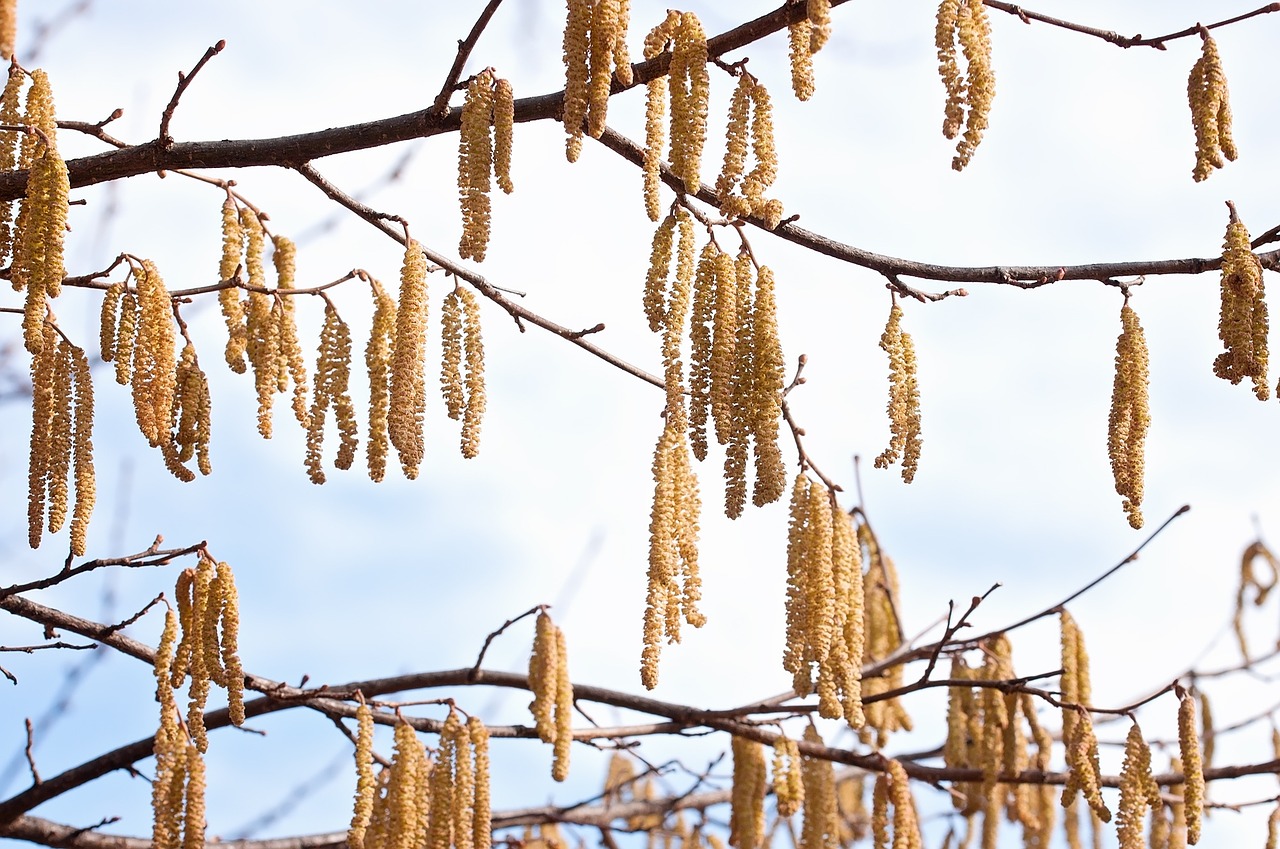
[
  {"x": 904, "y": 399},
  {"x": 1084, "y": 774},
  {"x": 190, "y": 421},
  {"x": 675, "y": 309},
  {"x": 8, "y": 27},
  {"x": 475, "y": 158},
  {"x": 844, "y": 665},
  {"x": 1138, "y": 790},
  {"x": 906, "y": 824},
  {"x": 451, "y": 356},
  {"x": 800, "y": 35},
  {"x": 819, "y": 14},
  {"x": 44, "y": 378},
  {"x": 765, "y": 170},
  {"x": 229, "y": 642},
  {"x": 482, "y": 829},
  {"x": 674, "y": 584},
  {"x": 290, "y": 367},
  {"x": 193, "y": 826},
  {"x": 366, "y": 784},
  {"x": 605, "y": 23},
  {"x": 377, "y": 358},
  {"x": 788, "y": 785},
  {"x": 1129, "y": 418},
  {"x": 564, "y": 712},
  {"x": 704, "y": 294},
  {"x": 233, "y": 239},
  {"x": 333, "y": 370},
  {"x": 262, "y": 333},
  {"x": 1192, "y": 766},
  {"x": 38, "y": 261},
  {"x": 746, "y": 813},
  {"x": 820, "y": 824},
  {"x": 766, "y": 393},
  {"x": 126, "y": 335},
  {"x": 408, "y": 381},
  {"x": 82, "y": 452},
  {"x": 577, "y": 79},
  {"x": 948, "y": 67},
  {"x": 402, "y": 790},
  {"x": 544, "y": 674},
  {"x": 473, "y": 416},
  {"x": 880, "y": 812},
  {"x": 504, "y": 115},
  {"x": 657, "y": 90},
  {"x": 1210, "y": 110},
  {"x": 690, "y": 88},
  {"x": 464, "y": 781},
  {"x": 1207, "y": 731},
  {"x": 169, "y": 746},
  {"x": 10, "y": 115},
  {"x": 883, "y": 638},
  {"x": 1242, "y": 319},
  {"x": 793, "y": 656},
  {"x": 60, "y": 436},
  {"x": 741, "y": 392},
  {"x": 154, "y": 359},
  {"x": 107, "y": 321},
  {"x": 655, "y": 283},
  {"x": 969, "y": 94},
  {"x": 735, "y": 148}
]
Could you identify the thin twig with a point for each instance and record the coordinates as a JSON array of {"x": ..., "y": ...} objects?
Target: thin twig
[
  {"x": 184, "y": 80},
  {"x": 465, "y": 46}
]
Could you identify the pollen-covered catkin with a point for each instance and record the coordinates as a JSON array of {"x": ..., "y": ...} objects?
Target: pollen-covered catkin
[
  {"x": 820, "y": 811},
  {"x": 690, "y": 89},
  {"x": 577, "y": 79},
  {"x": 290, "y": 367},
  {"x": 704, "y": 283},
  {"x": 657, "y": 90},
  {"x": 10, "y": 115},
  {"x": 473, "y": 416},
  {"x": 60, "y": 428},
  {"x": 1192, "y": 766},
  {"x": 674, "y": 584},
  {"x": 475, "y": 163},
  {"x": 1210, "y": 110},
  {"x": 261, "y": 327},
  {"x": 189, "y": 422},
  {"x": 788, "y": 784},
  {"x": 126, "y": 334},
  {"x": 800, "y": 35},
  {"x": 605, "y": 23},
  {"x": 819, "y": 14},
  {"x": 904, "y": 399},
  {"x": 1129, "y": 418},
  {"x": 44, "y": 379},
  {"x": 504, "y": 116},
  {"x": 481, "y": 821},
  {"x": 544, "y": 672},
  {"x": 765, "y": 403},
  {"x": 82, "y": 451},
  {"x": 377, "y": 359},
  {"x": 154, "y": 359},
  {"x": 1138, "y": 790},
  {"x": 365, "y": 782},
  {"x": 333, "y": 370},
  {"x": 964, "y": 23},
  {"x": 229, "y": 298},
  {"x": 408, "y": 380},
  {"x": 1242, "y": 320},
  {"x": 38, "y": 259},
  {"x": 564, "y": 712},
  {"x": 746, "y": 812}
]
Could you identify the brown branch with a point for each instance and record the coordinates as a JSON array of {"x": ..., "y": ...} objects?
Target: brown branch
[
  {"x": 31, "y": 758},
  {"x": 184, "y": 80},
  {"x": 494, "y": 634},
  {"x": 57, "y": 645},
  {"x": 465, "y": 46},
  {"x": 153, "y": 556},
  {"x": 1112, "y": 37}
]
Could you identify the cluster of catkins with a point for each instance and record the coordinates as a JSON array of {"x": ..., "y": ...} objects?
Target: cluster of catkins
[
  {"x": 484, "y": 149},
  {"x": 1210, "y": 110},
  {"x": 208, "y": 616},
  {"x": 801, "y": 784},
  {"x": 420, "y": 801},
  {"x": 1242, "y": 319},
  {"x": 963, "y": 24},
  {"x": 552, "y": 704},
  {"x": 595, "y": 48}
]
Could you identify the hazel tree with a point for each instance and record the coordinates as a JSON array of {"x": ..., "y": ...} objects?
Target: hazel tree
[{"x": 676, "y": 173}]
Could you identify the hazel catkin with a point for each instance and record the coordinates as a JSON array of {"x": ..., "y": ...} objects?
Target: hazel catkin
[
  {"x": 333, "y": 370},
  {"x": 377, "y": 358},
  {"x": 904, "y": 399},
  {"x": 1242, "y": 318},
  {"x": 1129, "y": 418},
  {"x": 408, "y": 380},
  {"x": 969, "y": 94},
  {"x": 690, "y": 88},
  {"x": 1192, "y": 766},
  {"x": 475, "y": 158},
  {"x": 1210, "y": 110},
  {"x": 746, "y": 813}
]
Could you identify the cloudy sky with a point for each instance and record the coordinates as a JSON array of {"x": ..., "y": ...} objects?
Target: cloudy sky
[{"x": 1088, "y": 159}]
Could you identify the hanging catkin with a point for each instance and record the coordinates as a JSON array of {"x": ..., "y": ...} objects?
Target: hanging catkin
[
  {"x": 964, "y": 23},
  {"x": 1210, "y": 110},
  {"x": 904, "y": 399},
  {"x": 552, "y": 705},
  {"x": 1129, "y": 418},
  {"x": 408, "y": 379},
  {"x": 746, "y": 812},
  {"x": 1242, "y": 318}
]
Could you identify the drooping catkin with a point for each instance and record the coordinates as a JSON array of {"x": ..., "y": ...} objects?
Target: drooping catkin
[
  {"x": 1242, "y": 319},
  {"x": 690, "y": 88},
  {"x": 10, "y": 115},
  {"x": 126, "y": 335},
  {"x": 810, "y": 586},
  {"x": 481, "y": 821},
  {"x": 969, "y": 94},
  {"x": 1138, "y": 790},
  {"x": 741, "y": 390},
  {"x": 169, "y": 747},
  {"x": 60, "y": 434},
  {"x": 704, "y": 294},
  {"x": 190, "y": 418},
  {"x": 377, "y": 359},
  {"x": 674, "y": 583},
  {"x": 820, "y": 811},
  {"x": 154, "y": 359},
  {"x": 576, "y": 55},
  {"x": 552, "y": 705},
  {"x": 1192, "y": 766},
  {"x": 366, "y": 784},
  {"x": 504, "y": 116},
  {"x": 735, "y": 144},
  {"x": 261, "y": 328},
  {"x": 8, "y": 28},
  {"x": 82, "y": 451},
  {"x": 605, "y": 24},
  {"x": 1084, "y": 774},
  {"x": 473, "y": 416},
  {"x": 904, "y": 399},
  {"x": 750, "y": 783},
  {"x": 765, "y": 403},
  {"x": 108, "y": 321},
  {"x": 475, "y": 163},
  {"x": 881, "y": 602},
  {"x": 1129, "y": 418},
  {"x": 228, "y": 600},
  {"x": 1210, "y": 110},
  {"x": 290, "y": 366},
  {"x": 800, "y": 35},
  {"x": 403, "y": 813},
  {"x": 657, "y": 90},
  {"x": 906, "y": 824},
  {"x": 38, "y": 256},
  {"x": 408, "y": 379},
  {"x": 788, "y": 783},
  {"x": 333, "y": 370},
  {"x": 233, "y": 239},
  {"x": 44, "y": 379},
  {"x": 819, "y": 14}
]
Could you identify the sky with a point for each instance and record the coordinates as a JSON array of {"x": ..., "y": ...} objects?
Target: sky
[{"x": 1088, "y": 158}]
